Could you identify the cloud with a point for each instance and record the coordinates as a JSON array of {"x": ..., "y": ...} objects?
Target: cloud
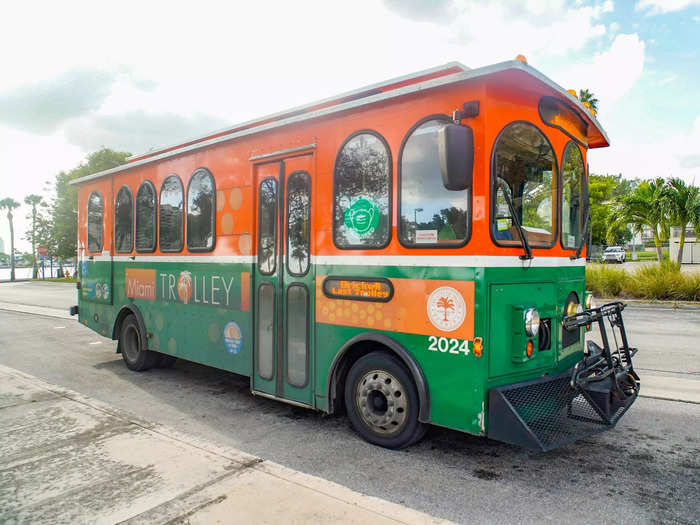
[
  {"x": 534, "y": 27},
  {"x": 43, "y": 106},
  {"x": 612, "y": 73},
  {"x": 658, "y": 7},
  {"x": 137, "y": 131}
]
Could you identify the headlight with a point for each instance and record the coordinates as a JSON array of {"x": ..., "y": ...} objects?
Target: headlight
[
  {"x": 589, "y": 301},
  {"x": 572, "y": 305},
  {"x": 532, "y": 321}
]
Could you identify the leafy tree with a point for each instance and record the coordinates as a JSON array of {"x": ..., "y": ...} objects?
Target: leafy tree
[
  {"x": 682, "y": 204},
  {"x": 603, "y": 192},
  {"x": 64, "y": 207},
  {"x": 586, "y": 96},
  {"x": 10, "y": 204},
  {"x": 34, "y": 201},
  {"x": 643, "y": 207}
]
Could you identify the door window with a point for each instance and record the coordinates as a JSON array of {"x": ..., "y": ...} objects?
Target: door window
[
  {"x": 267, "y": 240},
  {"x": 266, "y": 330},
  {"x": 297, "y": 335},
  {"x": 298, "y": 225},
  {"x": 95, "y": 209},
  {"x": 572, "y": 174}
]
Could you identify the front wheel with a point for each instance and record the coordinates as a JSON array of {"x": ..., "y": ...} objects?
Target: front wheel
[
  {"x": 382, "y": 401},
  {"x": 135, "y": 356}
]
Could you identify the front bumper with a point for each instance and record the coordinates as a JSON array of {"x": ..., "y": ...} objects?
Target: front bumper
[{"x": 551, "y": 411}]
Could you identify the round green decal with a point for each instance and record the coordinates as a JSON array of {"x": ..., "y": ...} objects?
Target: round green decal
[{"x": 362, "y": 216}]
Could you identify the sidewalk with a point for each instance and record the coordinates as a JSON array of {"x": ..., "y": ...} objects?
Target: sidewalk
[{"x": 66, "y": 458}]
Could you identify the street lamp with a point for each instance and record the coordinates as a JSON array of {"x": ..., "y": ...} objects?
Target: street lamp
[{"x": 415, "y": 216}]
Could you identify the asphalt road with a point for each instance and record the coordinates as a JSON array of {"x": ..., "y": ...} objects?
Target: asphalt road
[{"x": 647, "y": 470}]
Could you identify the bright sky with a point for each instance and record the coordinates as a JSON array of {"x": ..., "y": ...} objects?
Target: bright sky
[{"x": 135, "y": 75}]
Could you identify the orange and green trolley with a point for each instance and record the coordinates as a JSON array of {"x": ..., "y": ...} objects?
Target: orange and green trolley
[{"x": 411, "y": 253}]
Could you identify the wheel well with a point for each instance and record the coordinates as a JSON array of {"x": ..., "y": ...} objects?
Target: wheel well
[
  {"x": 125, "y": 312},
  {"x": 360, "y": 346}
]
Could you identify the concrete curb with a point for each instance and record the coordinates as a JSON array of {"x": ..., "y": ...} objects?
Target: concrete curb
[
  {"x": 644, "y": 303},
  {"x": 311, "y": 493},
  {"x": 36, "y": 310}
]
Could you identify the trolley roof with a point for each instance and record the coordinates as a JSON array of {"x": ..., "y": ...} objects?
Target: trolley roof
[{"x": 446, "y": 74}]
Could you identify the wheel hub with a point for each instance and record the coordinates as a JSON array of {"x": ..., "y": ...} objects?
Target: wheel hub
[
  {"x": 382, "y": 402},
  {"x": 131, "y": 343}
]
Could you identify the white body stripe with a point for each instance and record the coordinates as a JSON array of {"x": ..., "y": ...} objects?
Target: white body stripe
[{"x": 461, "y": 261}]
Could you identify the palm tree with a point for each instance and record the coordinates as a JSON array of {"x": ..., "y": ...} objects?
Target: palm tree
[
  {"x": 682, "y": 203},
  {"x": 10, "y": 204},
  {"x": 643, "y": 207},
  {"x": 34, "y": 201},
  {"x": 586, "y": 96}
]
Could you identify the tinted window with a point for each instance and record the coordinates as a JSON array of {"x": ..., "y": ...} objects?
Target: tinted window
[
  {"x": 94, "y": 222},
  {"x": 201, "y": 207},
  {"x": 572, "y": 175},
  {"x": 267, "y": 240},
  {"x": 266, "y": 330},
  {"x": 362, "y": 179},
  {"x": 298, "y": 226},
  {"x": 430, "y": 213},
  {"x": 123, "y": 220},
  {"x": 171, "y": 211},
  {"x": 524, "y": 164},
  {"x": 146, "y": 218}
]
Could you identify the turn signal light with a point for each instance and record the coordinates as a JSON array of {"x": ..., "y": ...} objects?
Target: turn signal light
[
  {"x": 573, "y": 93},
  {"x": 478, "y": 346},
  {"x": 587, "y": 104},
  {"x": 529, "y": 348}
]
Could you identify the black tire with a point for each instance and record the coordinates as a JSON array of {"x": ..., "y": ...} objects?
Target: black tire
[
  {"x": 135, "y": 356},
  {"x": 165, "y": 361},
  {"x": 382, "y": 401}
]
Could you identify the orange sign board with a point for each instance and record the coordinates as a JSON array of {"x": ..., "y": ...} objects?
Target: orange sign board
[
  {"x": 141, "y": 283},
  {"x": 418, "y": 306}
]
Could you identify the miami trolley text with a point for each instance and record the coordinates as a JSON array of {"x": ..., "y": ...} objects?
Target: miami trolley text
[{"x": 411, "y": 252}]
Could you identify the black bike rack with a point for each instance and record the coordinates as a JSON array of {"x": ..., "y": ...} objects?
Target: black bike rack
[{"x": 551, "y": 411}]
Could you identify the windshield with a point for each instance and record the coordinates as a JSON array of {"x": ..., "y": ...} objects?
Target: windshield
[{"x": 525, "y": 167}]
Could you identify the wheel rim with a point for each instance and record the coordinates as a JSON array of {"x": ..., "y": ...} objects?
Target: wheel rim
[
  {"x": 131, "y": 343},
  {"x": 381, "y": 402}
]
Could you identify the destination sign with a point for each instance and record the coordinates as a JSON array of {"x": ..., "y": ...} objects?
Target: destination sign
[{"x": 363, "y": 289}]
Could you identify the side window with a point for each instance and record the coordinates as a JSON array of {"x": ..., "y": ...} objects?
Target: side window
[
  {"x": 431, "y": 215},
  {"x": 171, "y": 215},
  {"x": 146, "y": 217},
  {"x": 525, "y": 167},
  {"x": 267, "y": 227},
  {"x": 201, "y": 210},
  {"x": 298, "y": 224},
  {"x": 95, "y": 210},
  {"x": 572, "y": 174},
  {"x": 123, "y": 220},
  {"x": 362, "y": 193}
]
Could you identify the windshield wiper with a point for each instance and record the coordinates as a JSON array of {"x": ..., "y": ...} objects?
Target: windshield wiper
[
  {"x": 582, "y": 242},
  {"x": 526, "y": 245}
]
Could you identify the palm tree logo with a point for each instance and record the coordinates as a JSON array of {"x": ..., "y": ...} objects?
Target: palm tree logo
[
  {"x": 446, "y": 309},
  {"x": 446, "y": 304}
]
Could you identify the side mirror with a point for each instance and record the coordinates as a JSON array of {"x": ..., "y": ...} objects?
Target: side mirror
[{"x": 456, "y": 152}]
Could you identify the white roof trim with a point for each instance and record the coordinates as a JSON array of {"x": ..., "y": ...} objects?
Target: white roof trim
[{"x": 421, "y": 86}]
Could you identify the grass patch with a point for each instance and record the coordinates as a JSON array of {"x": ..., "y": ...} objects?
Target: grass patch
[
  {"x": 662, "y": 281},
  {"x": 56, "y": 280}
]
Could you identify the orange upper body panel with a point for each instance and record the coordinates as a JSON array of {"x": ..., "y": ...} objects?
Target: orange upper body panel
[{"x": 504, "y": 97}]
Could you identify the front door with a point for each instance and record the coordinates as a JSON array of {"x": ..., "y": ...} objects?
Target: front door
[{"x": 284, "y": 280}]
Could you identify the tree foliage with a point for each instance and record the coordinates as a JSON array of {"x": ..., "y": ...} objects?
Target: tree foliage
[
  {"x": 586, "y": 96},
  {"x": 603, "y": 192},
  {"x": 65, "y": 205}
]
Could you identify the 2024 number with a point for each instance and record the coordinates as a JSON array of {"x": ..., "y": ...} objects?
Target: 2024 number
[{"x": 445, "y": 345}]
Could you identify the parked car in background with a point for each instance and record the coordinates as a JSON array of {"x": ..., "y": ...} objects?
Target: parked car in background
[{"x": 614, "y": 254}]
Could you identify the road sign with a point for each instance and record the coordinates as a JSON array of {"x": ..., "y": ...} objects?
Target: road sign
[{"x": 42, "y": 250}]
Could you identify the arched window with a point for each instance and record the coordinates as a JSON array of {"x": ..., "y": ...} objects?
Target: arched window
[
  {"x": 298, "y": 223},
  {"x": 362, "y": 192},
  {"x": 524, "y": 166},
  {"x": 123, "y": 220},
  {"x": 431, "y": 215},
  {"x": 201, "y": 211},
  {"x": 95, "y": 211},
  {"x": 146, "y": 217},
  {"x": 171, "y": 215}
]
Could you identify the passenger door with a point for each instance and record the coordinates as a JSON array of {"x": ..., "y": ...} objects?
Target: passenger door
[{"x": 284, "y": 277}]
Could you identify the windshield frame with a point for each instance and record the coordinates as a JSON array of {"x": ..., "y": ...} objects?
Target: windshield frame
[{"x": 493, "y": 187}]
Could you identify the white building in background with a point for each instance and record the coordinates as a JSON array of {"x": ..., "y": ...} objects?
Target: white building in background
[{"x": 691, "y": 248}]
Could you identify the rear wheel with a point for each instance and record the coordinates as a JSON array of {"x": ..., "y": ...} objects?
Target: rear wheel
[
  {"x": 135, "y": 356},
  {"x": 382, "y": 401}
]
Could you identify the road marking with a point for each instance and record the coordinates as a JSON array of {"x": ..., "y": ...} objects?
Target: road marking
[
  {"x": 96, "y": 343},
  {"x": 58, "y": 327}
]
